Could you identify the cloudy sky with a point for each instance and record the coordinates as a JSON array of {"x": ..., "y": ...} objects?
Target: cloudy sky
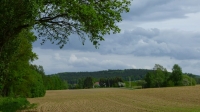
[{"x": 164, "y": 32}]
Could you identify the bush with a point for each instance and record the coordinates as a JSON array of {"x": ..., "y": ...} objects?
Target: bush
[
  {"x": 127, "y": 84},
  {"x": 170, "y": 83},
  {"x": 9, "y": 104},
  {"x": 188, "y": 81}
]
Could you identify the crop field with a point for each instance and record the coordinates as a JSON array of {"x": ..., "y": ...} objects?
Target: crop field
[{"x": 176, "y": 99}]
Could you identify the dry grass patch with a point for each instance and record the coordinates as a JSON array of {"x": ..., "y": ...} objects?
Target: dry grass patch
[{"x": 181, "y": 99}]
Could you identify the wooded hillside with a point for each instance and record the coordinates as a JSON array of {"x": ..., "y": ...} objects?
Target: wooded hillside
[{"x": 135, "y": 74}]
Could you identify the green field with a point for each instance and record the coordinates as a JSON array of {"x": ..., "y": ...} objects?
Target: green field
[{"x": 176, "y": 99}]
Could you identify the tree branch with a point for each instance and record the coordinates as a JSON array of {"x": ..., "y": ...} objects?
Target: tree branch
[{"x": 48, "y": 19}]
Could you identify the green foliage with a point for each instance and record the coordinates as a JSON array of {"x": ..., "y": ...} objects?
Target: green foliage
[
  {"x": 196, "y": 77},
  {"x": 135, "y": 74},
  {"x": 18, "y": 77},
  {"x": 149, "y": 79},
  {"x": 31, "y": 85},
  {"x": 131, "y": 84},
  {"x": 88, "y": 83},
  {"x": 177, "y": 75},
  {"x": 7, "y": 60},
  {"x": 160, "y": 67},
  {"x": 74, "y": 86},
  {"x": 161, "y": 78},
  {"x": 51, "y": 82},
  {"x": 166, "y": 78},
  {"x": 8, "y": 104},
  {"x": 170, "y": 83},
  {"x": 81, "y": 83},
  {"x": 110, "y": 82},
  {"x": 188, "y": 81},
  {"x": 156, "y": 78},
  {"x": 56, "y": 20},
  {"x": 15, "y": 19},
  {"x": 54, "y": 82},
  {"x": 197, "y": 80},
  {"x": 92, "y": 18},
  {"x": 65, "y": 84},
  {"x": 141, "y": 83}
]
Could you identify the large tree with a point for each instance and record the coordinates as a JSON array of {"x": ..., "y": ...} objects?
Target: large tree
[
  {"x": 17, "y": 76},
  {"x": 53, "y": 20},
  {"x": 56, "y": 20},
  {"x": 158, "y": 77},
  {"x": 88, "y": 83},
  {"x": 177, "y": 75}
]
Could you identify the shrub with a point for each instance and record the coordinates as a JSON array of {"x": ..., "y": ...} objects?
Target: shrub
[
  {"x": 9, "y": 104},
  {"x": 170, "y": 83}
]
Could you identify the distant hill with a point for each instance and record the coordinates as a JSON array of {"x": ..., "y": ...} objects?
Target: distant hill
[{"x": 135, "y": 74}]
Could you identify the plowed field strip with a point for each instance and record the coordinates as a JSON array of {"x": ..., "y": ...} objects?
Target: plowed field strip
[{"x": 120, "y": 100}]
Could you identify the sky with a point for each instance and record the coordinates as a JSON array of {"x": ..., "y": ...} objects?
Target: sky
[{"x": 164, "y": 32}]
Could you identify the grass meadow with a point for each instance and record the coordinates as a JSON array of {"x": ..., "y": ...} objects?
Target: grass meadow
[{"x": 172, "y": 99}]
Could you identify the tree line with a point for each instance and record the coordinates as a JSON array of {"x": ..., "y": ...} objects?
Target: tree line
[
  {"x": 91, "y": 82},
  {"x": 160, "y": 77},
  {"x": 126, "y": 74},
  {"x": 157, "y": 77},
  {"x": 18, "y": 76},
  {"x": 135, "y": 74}
]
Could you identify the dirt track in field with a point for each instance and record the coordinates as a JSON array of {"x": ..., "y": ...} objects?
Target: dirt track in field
[{"x": 120, "y": 100}]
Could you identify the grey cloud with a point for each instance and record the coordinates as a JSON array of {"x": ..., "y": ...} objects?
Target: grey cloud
[
  {"x": 86, "y": 62},
  {"x": 138, "y": 31},
  {"x": 141, "y": 11},
  {"x": 70, "y": 60},
  {"x": 157, "y": 10},
  {"x": 55, "y": 61},
  {"x": 190, "y": 66},
  {"x": 176, "y": 44},
  {"x": 151, "y": 48},
  {"x": 154, "y": 48},
  {"x": 74, "y": 43}
]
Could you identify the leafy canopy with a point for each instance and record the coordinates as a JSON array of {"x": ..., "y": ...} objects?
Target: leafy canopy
[
  {"x": 17, "y": 78},
  {"x": 177, "y": 75},
  {"x": 56, "y": 20}
]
